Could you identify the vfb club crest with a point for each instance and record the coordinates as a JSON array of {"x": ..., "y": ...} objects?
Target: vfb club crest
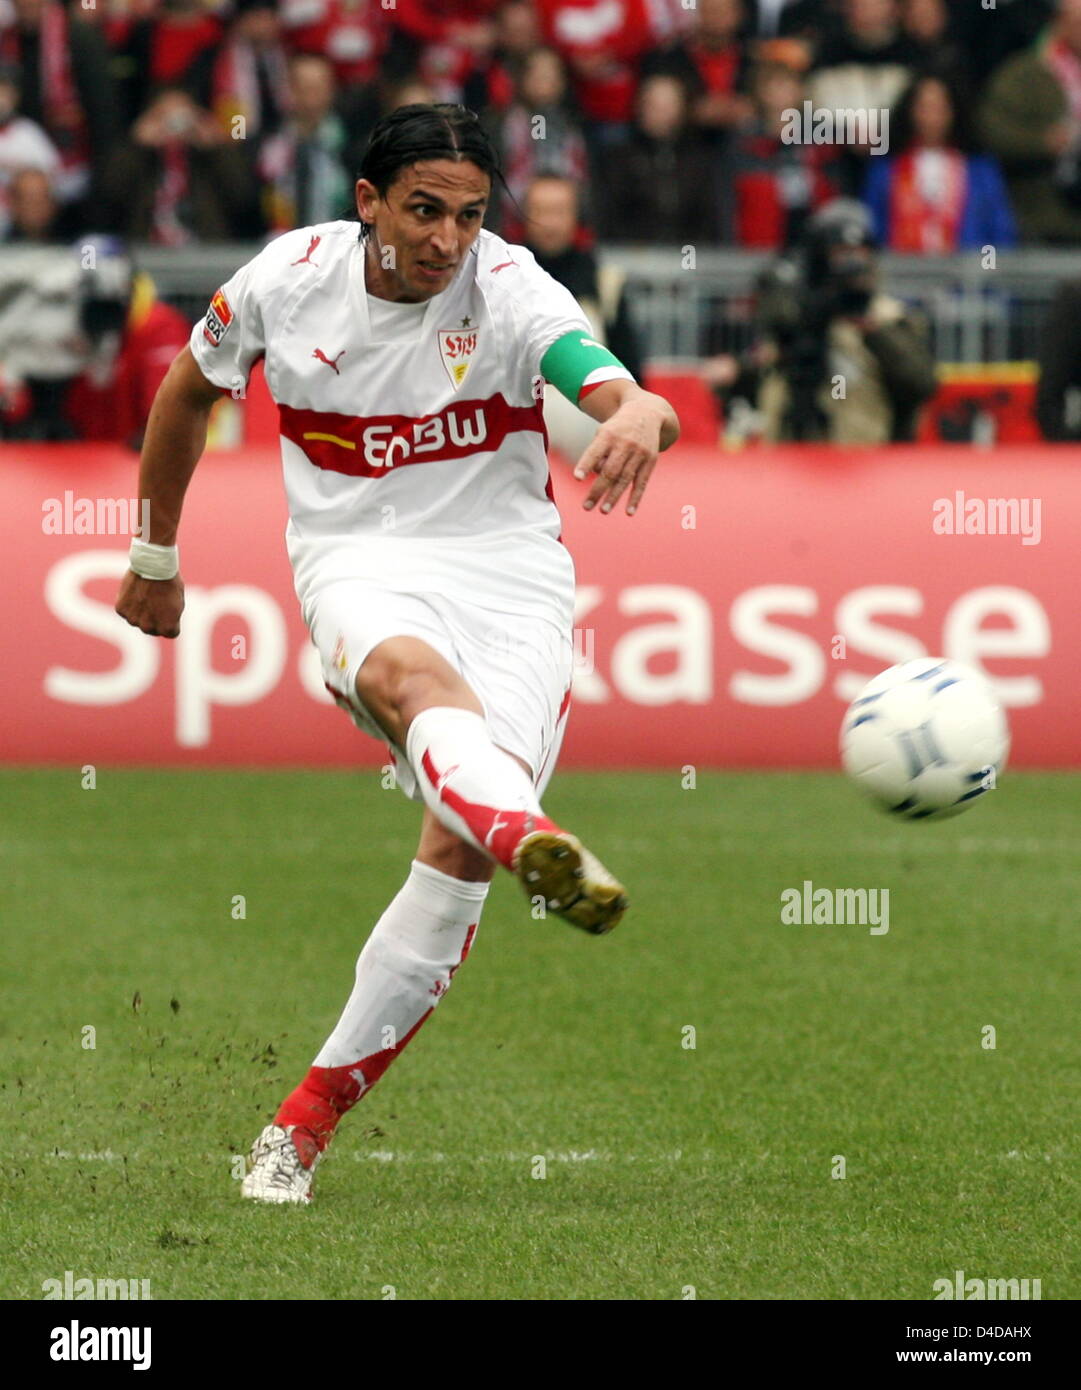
[{"x": 456, "y": 348}]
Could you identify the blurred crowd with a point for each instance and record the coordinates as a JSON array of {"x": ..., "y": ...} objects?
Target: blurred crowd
[
  {"x": 671, "y": 122},
  {"x": 180, "y": 121}
]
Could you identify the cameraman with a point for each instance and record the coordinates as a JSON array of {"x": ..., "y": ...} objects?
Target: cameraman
[{"x": 836, "y": 360}]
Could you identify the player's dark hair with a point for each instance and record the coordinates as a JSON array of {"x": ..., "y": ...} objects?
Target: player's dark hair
[{"x": 441, "y": 130}]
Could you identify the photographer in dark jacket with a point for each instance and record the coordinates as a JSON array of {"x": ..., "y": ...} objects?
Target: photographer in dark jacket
[
  {"x": 1058, "y": 396},
  {"x": 836, "y": 360}
]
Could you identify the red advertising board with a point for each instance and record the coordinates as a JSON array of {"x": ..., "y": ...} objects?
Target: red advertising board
[{"x": 727, "y": 624}]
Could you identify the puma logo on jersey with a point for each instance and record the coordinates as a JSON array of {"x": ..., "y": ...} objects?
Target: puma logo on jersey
[
  {"x": 444, "y": 778},
  {"x": 502, "y": 266},
  {"x": 306, "y": 258},
  {"x": 497, "y": 824},
  {"x": 590, "y": 342},
  {"x": 332, "y": 363}
]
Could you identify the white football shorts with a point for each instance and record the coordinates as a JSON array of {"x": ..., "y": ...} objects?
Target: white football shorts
[{"x": 519, "y": 666}]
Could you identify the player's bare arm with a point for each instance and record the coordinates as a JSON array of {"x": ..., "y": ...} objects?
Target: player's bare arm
[
  {"x": 174, "y": 442},
  {"x": 636, "y": 426}
]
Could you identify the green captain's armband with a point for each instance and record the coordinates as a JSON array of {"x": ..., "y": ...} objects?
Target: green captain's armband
[{"x": 576, "y": 361}]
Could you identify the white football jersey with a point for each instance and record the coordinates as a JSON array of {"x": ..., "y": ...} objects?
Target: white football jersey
[{"x": 409, "y": 429}]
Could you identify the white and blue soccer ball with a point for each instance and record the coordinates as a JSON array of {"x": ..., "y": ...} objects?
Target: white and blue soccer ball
[{"x": 925, "y": 739}]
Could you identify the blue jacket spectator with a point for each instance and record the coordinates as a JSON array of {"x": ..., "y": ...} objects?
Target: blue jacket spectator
[{"x": 936, "y": 196}]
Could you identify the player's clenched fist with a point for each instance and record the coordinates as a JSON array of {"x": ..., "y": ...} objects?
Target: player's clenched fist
[{"x": 153, "y": 605}]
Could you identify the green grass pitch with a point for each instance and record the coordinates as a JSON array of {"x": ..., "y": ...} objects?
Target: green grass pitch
[{"x": 667, "y": 1168}]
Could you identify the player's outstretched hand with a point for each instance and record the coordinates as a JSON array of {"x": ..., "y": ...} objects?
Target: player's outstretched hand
[
  {"x": 624, "y": 450},
  {"x": 153, "y": 605}
]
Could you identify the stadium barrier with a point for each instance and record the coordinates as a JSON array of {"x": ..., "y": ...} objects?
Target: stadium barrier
[
  {"x": 727, "y": 624},
  {"x": 979, "y": 308}
]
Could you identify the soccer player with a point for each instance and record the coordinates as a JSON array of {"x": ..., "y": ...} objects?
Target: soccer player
[{"x": 408, "y": 359}]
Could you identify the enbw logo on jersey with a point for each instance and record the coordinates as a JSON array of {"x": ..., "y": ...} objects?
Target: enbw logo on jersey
[
  {"x": 456, "y": 348},
  {"x": 218, "y": 318},
  {"x": 459, "y": 431}
]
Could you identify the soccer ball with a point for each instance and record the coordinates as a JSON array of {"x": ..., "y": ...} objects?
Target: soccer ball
[{"x": 925, "y": 739}]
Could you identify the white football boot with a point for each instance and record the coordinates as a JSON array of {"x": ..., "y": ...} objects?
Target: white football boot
[
  {"x": 575, "y": 885},
  {"x": 276, "y": 1173}
]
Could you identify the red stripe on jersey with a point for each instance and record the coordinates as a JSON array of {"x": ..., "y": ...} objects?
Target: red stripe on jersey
[{"x": 369, "y": 446}]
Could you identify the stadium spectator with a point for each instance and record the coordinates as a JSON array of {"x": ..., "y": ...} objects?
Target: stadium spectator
[
  {"x": 659, "y": 184},
  {"x": 836, "y": 360},
  {"x": 107, "y": 344},
  {"x": 247, "y": 77},
  {"x": 169, "y": 44},
  {"x": 927, "y": 25},
  {"x": 935, "y": 196},
  {"x": 1032, "y": 121},
  {"x": 538, "y": 134},
  {"x": 866, "y": 56},
  {"x": 452, "y": 39},
  {"x": 305, "y": 179},
  {"x": 34, "y": 215},
  {"x": 988, "y": 35},
  {"x": 1058, "y": 395},
  {"x": 491, "y": 85},
  {"x": 602, "y": 45},
  {"x": 771, "y": 19},
  {"x": 710, "y": 62},
  {"x": 23, "y": 143},
  {"x": 41, "y": 348},
  {"x": 552, "y": 233},
  {"x": 179, "y": 178},
  {"x": 364, "y": 107},
  {"x": 130, "y": 339},
  {"x": 772, "y": 186},
  {"x": 65, "y": 87},
  {"x": 355, "y": 35},
  {"x": 865, "y": 66}
]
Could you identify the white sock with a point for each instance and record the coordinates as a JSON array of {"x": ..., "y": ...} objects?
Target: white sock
[
  {"x": 476, "y": 790},
  {"x": 405, "y": 968}
]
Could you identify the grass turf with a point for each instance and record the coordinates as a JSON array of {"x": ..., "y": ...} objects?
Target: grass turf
[{"x": 666, "y": 1167}]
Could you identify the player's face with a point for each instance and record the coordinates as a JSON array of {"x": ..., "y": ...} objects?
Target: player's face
[{"x": 423, "y": 228}]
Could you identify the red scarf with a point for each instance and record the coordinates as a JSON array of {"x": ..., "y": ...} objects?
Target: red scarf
[
  {"x": 236, "y": 84},
  {"x": 927, "y": 201},
  {"x": 166, "y": 228}
]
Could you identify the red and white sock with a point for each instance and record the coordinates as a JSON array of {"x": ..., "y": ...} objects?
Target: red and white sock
[
  {"x": 475, "y": 789},
  {"x": 403, "y": 971}
]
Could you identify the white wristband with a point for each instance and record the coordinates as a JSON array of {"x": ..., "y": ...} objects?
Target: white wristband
[{"x": 153, "y": 561}]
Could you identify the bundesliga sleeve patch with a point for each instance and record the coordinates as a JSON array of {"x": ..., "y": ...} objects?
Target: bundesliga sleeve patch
[{"x": 218, "y": 318}]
